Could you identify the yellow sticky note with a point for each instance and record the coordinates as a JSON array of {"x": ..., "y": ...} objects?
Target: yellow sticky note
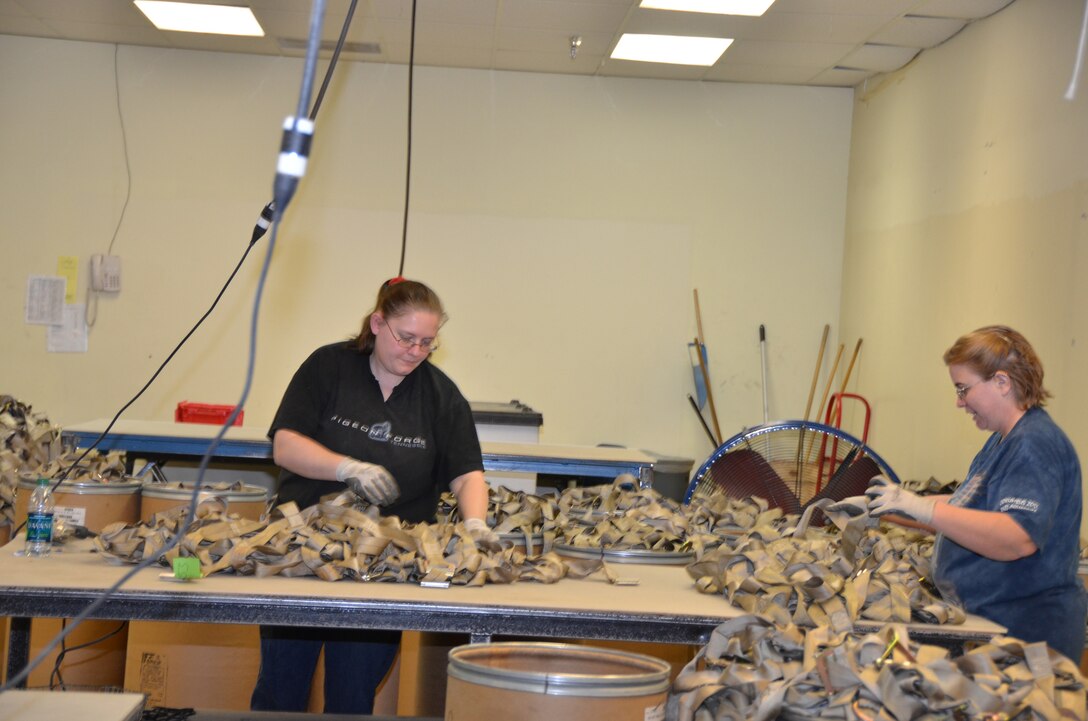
[{"x": 68, "y": 268}]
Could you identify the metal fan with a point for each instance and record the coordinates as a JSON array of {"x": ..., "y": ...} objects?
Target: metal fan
[{"x": 791, "y": 464}]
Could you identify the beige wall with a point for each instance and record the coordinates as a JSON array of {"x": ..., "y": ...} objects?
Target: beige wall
[
  {"x": 564, "y": 220},
  {"x": 967, "y": 206}
]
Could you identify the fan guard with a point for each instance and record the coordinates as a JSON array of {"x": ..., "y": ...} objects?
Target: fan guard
[{"x": 791, "y": 464}]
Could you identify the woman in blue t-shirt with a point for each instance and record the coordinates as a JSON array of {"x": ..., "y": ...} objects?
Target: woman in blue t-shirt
[{"x": 1007, "y": 544}]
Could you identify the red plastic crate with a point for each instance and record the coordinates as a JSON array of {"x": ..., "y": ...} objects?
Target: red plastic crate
[{"x": 188, "y": 412}]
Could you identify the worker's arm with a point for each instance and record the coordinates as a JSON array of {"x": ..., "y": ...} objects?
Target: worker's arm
[
  {"x": 303, "y": 455},
  {"x": 471, "y": 491},
  {"x": 992, "y": 534}
]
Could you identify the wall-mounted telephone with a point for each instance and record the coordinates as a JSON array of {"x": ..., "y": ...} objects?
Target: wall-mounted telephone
[{"x": 106, "y": 273}]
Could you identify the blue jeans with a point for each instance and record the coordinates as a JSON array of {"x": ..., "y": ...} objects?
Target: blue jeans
[{"x": 356, "y": 661}]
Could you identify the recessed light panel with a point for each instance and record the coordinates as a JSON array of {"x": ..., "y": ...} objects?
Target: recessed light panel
[
  {"x": 200, "y": 18},
  {"x": 675, "y": 49},
  {"x": 716, "y": 7}
]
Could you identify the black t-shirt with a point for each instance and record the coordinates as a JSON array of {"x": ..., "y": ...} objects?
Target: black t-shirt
[{"x": 424, "y": 434}]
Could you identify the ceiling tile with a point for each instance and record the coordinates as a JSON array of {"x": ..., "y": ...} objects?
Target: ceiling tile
[
  {"x": 12, "y": 8},
  {"x": 887, "y": 8},
  {"x": 129, "y": 35},
  {"x": 881, "y": 58},
  {"x": 967, "y": 9},
  {"x": 841, "y": 77},
  {"x": 221, "y": 43},
  {"x": 634, "y": 69},
  {"x": 789, "y": 27},
  {"x": 449, "y": 35},
  {"x": 572, "y": 17},
  {"x": 757, "y": 52},
  {"x": 444, "y": 56},
  {"x": 16, "y": 25},
  {"x": 778, "y": 74},
  {"x": 547, "y": 41},
  {"x": 102, "y": 12},
  {"x": 584, "y": 64},
  {"x": 918, "y": 32}
]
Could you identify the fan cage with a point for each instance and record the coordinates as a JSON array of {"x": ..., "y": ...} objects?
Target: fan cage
[{"x": 791, "y": 464}]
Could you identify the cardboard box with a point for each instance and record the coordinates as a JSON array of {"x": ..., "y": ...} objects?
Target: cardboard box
[
  {"x": 193, "y": 665},
  {"x": 100, "y": 665},
  {"x": 212, "y": 666}
]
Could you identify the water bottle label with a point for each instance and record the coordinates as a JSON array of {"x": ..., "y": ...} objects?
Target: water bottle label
[{"x": 39, "y": 527}]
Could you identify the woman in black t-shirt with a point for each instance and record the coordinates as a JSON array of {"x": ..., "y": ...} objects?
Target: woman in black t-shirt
[{"x": 376, "y": 415}]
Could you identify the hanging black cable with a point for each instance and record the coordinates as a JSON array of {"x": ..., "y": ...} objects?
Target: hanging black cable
[
  {"x": 408, "y": 161},
  {"x": 334, "y": 59}
]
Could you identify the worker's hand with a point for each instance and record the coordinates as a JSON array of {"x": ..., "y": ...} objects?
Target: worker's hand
[
  {"x": 852, "y": 506},
  {"x": 482, "y": 534},
  {"x": 369, "y": 481},
  {"x": 887, "y": 497}
]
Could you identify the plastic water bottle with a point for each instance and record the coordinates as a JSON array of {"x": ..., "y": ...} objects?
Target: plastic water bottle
[{"x": 39, "y": 520}]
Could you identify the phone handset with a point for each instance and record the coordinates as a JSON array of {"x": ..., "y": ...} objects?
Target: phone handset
[{"x": 106, "y": 273}]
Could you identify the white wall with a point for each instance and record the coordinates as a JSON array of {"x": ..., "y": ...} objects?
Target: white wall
[
  {"x": 564, "y": 220},
  {"x": 968, "y": 205}
]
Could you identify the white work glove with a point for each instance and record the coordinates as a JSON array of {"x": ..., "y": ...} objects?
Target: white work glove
[
  {"x": 887, "y": 497},
  {"x": 482, "y": 534},
  {"x": 853, "y": 506},
  {"x": 369, "y": 481}
]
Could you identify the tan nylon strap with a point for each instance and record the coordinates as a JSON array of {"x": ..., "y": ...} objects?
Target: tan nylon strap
[{"x": 749, "y": 669}]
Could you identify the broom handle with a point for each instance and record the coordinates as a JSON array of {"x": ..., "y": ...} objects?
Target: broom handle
[
  {"x": 709, "y": 433},
  {"x": 763, "y": 369},
  {"x": 816, "y": 373},
  {"x": 827, "y": 389},
  {"x": 808, "y": 409},
  {"x": 698, "y": 317},
  {"x": 699, "y": 345},
  {"x": 849, "y": 369},
  {"x": 709, "y": 393}
]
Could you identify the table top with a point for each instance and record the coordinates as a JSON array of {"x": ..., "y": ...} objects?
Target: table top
[
  {"x": 663, "y": 607},
  {"x": 193, "y": 439}
]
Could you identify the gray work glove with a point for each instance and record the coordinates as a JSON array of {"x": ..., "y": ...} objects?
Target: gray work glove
[
  {"x": 482, "y": 534},
  {"x": 887, "y": 497},
  {"x": 853, "y": 506},
  {"x": 369, "y": 481}
]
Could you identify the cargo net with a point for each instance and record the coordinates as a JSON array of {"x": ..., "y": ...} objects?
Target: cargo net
[{"x": 753, "y": 668}]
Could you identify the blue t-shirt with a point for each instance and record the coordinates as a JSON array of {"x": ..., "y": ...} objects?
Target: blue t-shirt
[{"x": 1033, "y": 476}]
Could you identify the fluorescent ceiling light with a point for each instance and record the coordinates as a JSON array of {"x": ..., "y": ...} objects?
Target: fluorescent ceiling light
[
  {"x": 200, "y": 18},
  {"x": 717, "y": 7},
  {"x": 675, "y": 49}
]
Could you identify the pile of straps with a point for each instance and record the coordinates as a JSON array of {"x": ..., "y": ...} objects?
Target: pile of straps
[
  {"x": 930, "y": 486},
  {"x": 827, "y": 577},
  {"x": 336, "y": 540},
  {"x": 780, "y": 567},
  {"x": 753, "y": 668},
  {"x": 617, "y": 517},
  {"x": 27, "y": 442}
]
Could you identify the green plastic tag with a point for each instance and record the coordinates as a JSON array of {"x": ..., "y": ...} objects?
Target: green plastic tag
[{"x": 186, "y": 568}]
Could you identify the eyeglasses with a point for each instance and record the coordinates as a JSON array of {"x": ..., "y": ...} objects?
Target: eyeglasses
[
  {"x": 427, "y": 345},
  {"x": 961, "y": 391}
]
